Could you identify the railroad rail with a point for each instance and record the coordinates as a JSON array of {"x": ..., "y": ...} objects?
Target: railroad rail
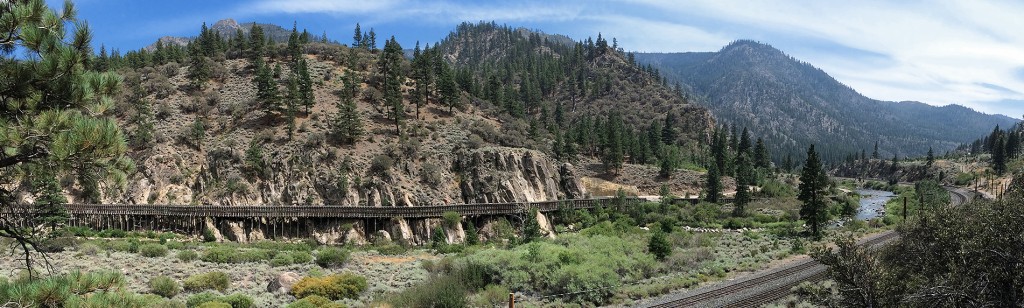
[
  {"x": 767, "y": 287},
  {"x": 759, "y": 289}
]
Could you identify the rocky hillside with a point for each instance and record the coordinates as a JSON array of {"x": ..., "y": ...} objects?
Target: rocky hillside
[
  {"x": 217, "y": 144},
  {"x": 791, "y": 104}
]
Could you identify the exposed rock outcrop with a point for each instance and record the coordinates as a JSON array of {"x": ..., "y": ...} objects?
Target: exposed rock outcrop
[{"x": 494, "y": 175}]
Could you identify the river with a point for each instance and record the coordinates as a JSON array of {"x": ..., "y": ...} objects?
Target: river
[{"x": 872, "y": 203}]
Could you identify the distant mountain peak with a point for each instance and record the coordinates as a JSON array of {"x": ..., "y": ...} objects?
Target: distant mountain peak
[
  {"x": 226, "y": 26},
  {"x": 793, "y": 104}
]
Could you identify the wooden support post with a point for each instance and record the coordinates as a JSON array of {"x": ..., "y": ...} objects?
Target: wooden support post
[
  {"x": 511, "y": 300},
  {"x": 904, "y": 209}
]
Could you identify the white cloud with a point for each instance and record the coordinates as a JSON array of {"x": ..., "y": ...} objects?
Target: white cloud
[{"x": 943, "y": 52}]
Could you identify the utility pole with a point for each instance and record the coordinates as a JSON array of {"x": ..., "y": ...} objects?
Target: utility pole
[{"x": 511, "y": 300}]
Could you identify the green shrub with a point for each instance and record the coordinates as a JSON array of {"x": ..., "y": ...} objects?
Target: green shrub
[
  {"x": 57, "y": 244},
  {"x": 88, "y": 249},
  {"x": 314, "y": 301},
  {"x": 331, "y": 256},
  {"x": 282, "y": 260},
  {"x": 164, "y": 286},
  {"x": 214, "y": 304},
  {"x": 254, "y": 255},
  {"x": 80, "y": 231},
  {"x": 221, "y": 254},
  {"x": 451, "y": 219},
  {"x": 439, "y": 291},
  {"x": 187, "y": 255},
  {"x": 164, "y": 237},
  {"x": 209, "y": 281},
  {"x": 176, "y": 245},
  {"x": 112, "y": 233},
  {"x": 199, "y": 298},
  {"x": 334, "y": 287},
  {"x": 153, "y": 250},
  {"x": 301, "y": 257},
  {"x": 237, "y": 300},
  {"x": 208, "y": 236},
  {"x": 659, "y": 245}
]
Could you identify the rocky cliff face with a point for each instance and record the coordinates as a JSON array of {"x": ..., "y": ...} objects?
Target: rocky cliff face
[{"x": 495, "y": 175}]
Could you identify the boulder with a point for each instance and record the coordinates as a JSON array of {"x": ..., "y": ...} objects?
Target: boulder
[{"x": 283, "y": 283}]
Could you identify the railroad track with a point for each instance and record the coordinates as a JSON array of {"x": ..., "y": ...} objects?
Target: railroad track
[
  {"x": 768, "y": 287},
  {"x": 956, "y": 197},
  {"x": 763, "y": 288}
]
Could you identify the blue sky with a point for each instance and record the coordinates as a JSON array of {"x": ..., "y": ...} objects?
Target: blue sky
[{"x": 937, "y": 52}]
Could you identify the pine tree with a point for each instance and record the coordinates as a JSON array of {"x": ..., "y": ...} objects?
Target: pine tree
[
  {"x": 762, "y": 160},
  {"x": 305, "y": 86},
  {"x": 390, "y": 69},
  {"x": 875, "y": 153},
  {"x": 347, "y": 127},
  {"x": 52, "y": 121},
  {"x": 895, "y": 165},
  {"x": 813, "y": 184},
  {"x": 931, "y": 157},
  {"x": 266, "y": 88},
  {"x": 743, "y": 146},
  {"x": 294, "y": 46},
  {"x": 744, "y": 178},
  {"x": 449, "y": 90},
  {"x": 357, "y": 38},
  {"x": 613, "y": 156},
  {"x": 668, "y": 131},
  {"x": 999, "y": 155},
  {"x": 713, "y": 186},
  {"x": 257, "y": 42},
  {"x": 787, "y": 165},
  {"x": 199, "y": 67},
  {"x": 197, "y": 133},
  {"x": 659, "y": 245}
]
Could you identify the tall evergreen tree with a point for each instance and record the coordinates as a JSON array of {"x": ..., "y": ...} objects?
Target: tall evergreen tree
[
  {"x": 668, "y": 131},
  {"x": 613, "y": 148},
  {"x": 346, "y": 125},
  {"x": 931, "y": 157},
  {"x": 51, "y": 115},
  {"x": 813, "y": 183},
  {"x": 199, "y": 68},
  {"x": 743, "y": 146},
  {"x": 390, "y": 69},
  {"x": 449, "y": 90},
  {"x": 266, "y": 88},
  {"x": 744, "y": 178},
  {"x": 762, "y": 159},
  {"x": 257, "y": 42},
  {"x": 999, "y": 155},
  {"x": 875, "y": 154},
  {"x": 357, "y": 38},
  {"x": 713, "y": 185},
  {"x": 305, "y": 86}
]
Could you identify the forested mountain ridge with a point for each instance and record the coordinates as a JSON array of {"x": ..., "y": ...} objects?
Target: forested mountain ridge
[
  {"x": 791, "y": 103},
  {"x": 572, "y": 88}
]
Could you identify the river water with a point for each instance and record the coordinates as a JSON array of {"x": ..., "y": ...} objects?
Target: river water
[{"x": 872, "y": 203}]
